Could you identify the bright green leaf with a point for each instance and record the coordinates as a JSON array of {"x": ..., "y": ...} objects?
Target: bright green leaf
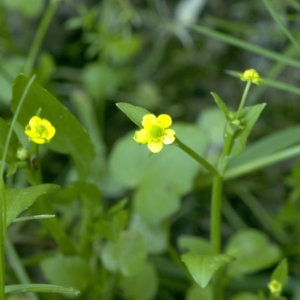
[
  {"x": 69, "y": 271},
  {"x": 133, "y": 112},
  {"x": 203, "y": 267},
  {"x": 19, "y": 200},
  {"x": 70, "y": 137},
  {"x": 195, "y": 292},
  {"x": 281, "y": 272}
]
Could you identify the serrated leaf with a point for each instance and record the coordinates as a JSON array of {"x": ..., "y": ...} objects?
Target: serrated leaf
[
  {"x": 18, "y": 200},
  {"x": 70, "y": 138},
  {"x": 203, "y": 267},
  {"x": 133, "y": 112}
]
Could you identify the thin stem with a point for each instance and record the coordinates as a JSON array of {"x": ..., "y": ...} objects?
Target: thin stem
[
  {"x": 203, "y": 162},
  {"x": 215, "y": 222},
  {"x": 40, "y": 34},
  {"x": 3, "y": 190},
  {"x": 243, "y": 100}
]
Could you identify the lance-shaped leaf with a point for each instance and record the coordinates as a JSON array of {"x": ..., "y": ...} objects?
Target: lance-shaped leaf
[
  {"x": 133, "y": 112},
  {"x": 250, "y": 114},
  {"x": 203, "y": 267},
  {"x": 70, "y": 137}
]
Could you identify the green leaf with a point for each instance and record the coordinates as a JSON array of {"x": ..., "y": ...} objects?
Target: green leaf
[
  {"x": 221, "y": 104},
  {"x": 142, "y": 285},
  {"x": 127, "y": 255},
  {"x": 203, "y": 267},
  {"x": 250, "y": 115},
  {"x": 195, "y": 292},
  {"x": 13, "y": 145},
  {"x": 245, "y": 296},
  {"x": 71, "y": 271},
  {"x": 253, "y": 252},
  {"x": 70, "y": 138},
  {"x": 281, "y": 272},
  {"x": 133, "y": 112},
  {"x": 19, "y": 200},
  {"x": 194, "y": 244},
  {"x": 40, "y": 288},
  {"x": 267, "y": 146}
]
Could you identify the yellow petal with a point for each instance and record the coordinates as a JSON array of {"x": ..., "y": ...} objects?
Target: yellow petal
[
  {"x": 169, "y": 136},
  {"x": 155, "y": 147},
  {"x": 165, "y": 120},
  {"x": 148, "y": 121},
  {"x": 141, "y": 136}
]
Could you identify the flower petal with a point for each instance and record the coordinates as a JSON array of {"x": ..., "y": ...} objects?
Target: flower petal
[
  {"x": 165, "y": 120},
  {"x": 148, "y": 121},
  {"x": 155, "y": 147},
  {"x": 169, "y": 136},
  {"x": 141, "y": 136}
]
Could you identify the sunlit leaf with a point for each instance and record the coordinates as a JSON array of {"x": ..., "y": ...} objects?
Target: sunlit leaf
[{"x": 203, "y": 267}]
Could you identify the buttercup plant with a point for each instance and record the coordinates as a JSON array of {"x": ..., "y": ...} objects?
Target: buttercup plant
[{"x": 156, "y": 132}]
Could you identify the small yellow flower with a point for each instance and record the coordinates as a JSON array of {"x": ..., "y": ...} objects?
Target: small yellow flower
[
  {"x": 275, "y": 287},
  {"x": 155, "y": 132},
  {"x": 39, "y": 130},
  {"x": 252, "y": 76}
]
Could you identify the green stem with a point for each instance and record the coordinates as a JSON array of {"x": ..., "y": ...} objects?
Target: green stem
[
  {"x": 243, "y": 100},
  {"x": 216, "y": 205},
  {"x": 3, "y": 190},
  {"x": 203, "y": 162},
  {"x": 40, "y": 36}
]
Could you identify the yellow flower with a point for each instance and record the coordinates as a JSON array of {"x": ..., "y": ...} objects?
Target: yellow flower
[
  {"x": 275, "y": 287},
  {"x": 252, "y": 76},
  {"x": 155, "y": 132},
  {"x": 39, "y": 130}
]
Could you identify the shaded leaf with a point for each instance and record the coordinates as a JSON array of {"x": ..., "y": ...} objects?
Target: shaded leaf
[
  {"x": 253, "y": 252},
  {"x": 19, "y": 200},
  {"x": 70, "y": 271},
  {"x": 70, "y": 138}
]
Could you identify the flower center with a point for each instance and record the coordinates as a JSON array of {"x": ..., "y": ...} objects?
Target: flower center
[
  {"x": 40, "y": 129},
  {"x": 156, "y": 131}
]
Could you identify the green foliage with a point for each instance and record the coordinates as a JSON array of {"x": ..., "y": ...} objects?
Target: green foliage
[{"x": 92, "y": 211}]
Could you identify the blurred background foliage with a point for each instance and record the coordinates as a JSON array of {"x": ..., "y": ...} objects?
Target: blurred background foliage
[{"x": 148, "y": 53}]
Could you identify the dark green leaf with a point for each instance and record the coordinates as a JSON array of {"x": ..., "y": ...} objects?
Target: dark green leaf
[
  {"x": 70, "y": 137},
  {"x": 19, "y": 200}
]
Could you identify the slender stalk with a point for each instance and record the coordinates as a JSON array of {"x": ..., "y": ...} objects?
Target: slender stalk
[
  {"x": 3, "y": 190},
  {"x": 40, "y": 34},
  {"x": 243, "y": 100},
  {"x": 203, "y": 162}
]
